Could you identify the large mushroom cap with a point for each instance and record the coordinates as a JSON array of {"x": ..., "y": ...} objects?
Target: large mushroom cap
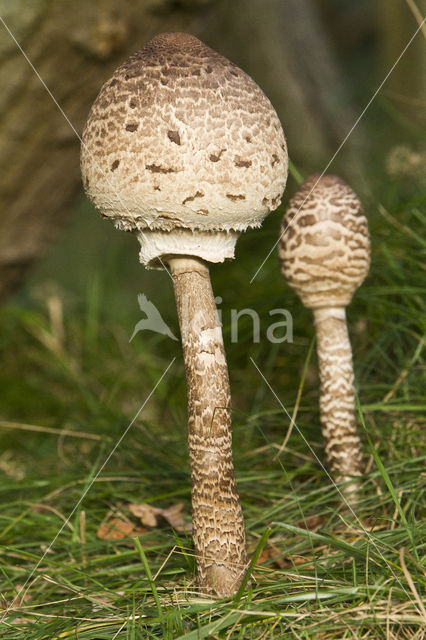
[
  {"x": 181, "y": 137},
  {"x": 324, "y": 248}
]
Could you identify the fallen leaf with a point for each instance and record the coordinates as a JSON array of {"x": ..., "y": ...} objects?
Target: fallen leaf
[
  {"x": 270, "y": 552},
  {"x": 146, "y": 514},
  {"x": 19, "y": 598},
  {"x": 117, "y": 529},
  {"x": 311, "y": 522},
  {"x": 289, "y": 561},
  {"x": 150, "y": 516},
  {"x": 174, "y": 517}
]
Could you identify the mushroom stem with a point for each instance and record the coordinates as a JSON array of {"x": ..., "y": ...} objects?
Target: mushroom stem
[
  {"x": 218, "y": 525},
  {"x": 337, "y": 397}
]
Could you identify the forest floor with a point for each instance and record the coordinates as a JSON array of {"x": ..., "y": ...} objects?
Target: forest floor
[{"x": 95, "y": 482}]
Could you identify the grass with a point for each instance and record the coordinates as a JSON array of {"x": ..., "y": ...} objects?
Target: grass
[{"x": 72, "y": 384}]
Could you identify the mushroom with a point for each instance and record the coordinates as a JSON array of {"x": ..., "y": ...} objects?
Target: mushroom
[
  {"x": 324, "y": 252},
  {"x": 183, "y": 148}
]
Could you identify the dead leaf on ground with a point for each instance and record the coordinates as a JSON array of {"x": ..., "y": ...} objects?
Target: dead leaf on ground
[
  {"x": 270, "y": 552},
  {"x": 311, "y": 523},
  {"x": 151, "y": 516},
  {"x": 20, "y": 598},
  {"x": 117, "y": 529},
  {"x": 290, "y": 561}
]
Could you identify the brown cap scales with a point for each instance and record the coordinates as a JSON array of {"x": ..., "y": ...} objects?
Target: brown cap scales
[
  {"x": 324, "y": 248},
  {"x": 181, "y": 137}
]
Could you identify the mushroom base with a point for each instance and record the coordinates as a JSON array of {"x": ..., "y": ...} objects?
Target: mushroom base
[{"x": 157, "y": 245}]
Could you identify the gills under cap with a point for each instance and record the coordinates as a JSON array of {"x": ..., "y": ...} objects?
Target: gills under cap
[
  {"x": 324, "y": 248},
  {"x": 181, "y": 138}
]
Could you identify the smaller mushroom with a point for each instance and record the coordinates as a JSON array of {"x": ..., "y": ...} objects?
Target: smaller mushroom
[{"x": 324, "y": 252}]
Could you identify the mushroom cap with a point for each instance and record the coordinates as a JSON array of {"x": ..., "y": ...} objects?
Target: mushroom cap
[
  {"x": 324, "y": 248},
  {"x": 181, "y": 137}
]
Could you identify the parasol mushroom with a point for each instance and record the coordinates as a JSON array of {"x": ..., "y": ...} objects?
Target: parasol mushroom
[
  {"x": 325, "y": 256},
  {"x": 183, "y": 148}
]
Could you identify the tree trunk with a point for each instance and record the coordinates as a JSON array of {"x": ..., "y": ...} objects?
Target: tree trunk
[{"x": 74, "y": 46}]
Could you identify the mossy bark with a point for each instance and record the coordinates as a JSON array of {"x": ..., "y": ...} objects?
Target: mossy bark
[{"x": 74, "y": 47}]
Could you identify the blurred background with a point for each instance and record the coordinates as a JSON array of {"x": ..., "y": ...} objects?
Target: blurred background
[
  {"x": 72, "y": 385},
  {"x": 69, "y": 281}
]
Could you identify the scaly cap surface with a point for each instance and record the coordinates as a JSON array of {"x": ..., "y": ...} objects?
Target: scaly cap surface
[
  {"x": 180, "y": 137},
  {"x": 325, "y": 247}
]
